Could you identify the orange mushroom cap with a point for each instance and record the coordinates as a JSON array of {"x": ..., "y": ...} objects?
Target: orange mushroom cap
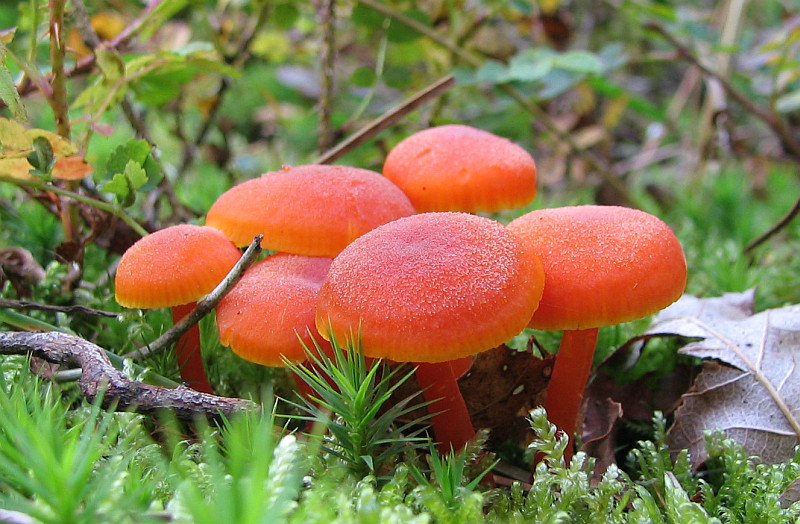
[
  {"x": 173, "y": 266},
  {"x": 461, "y": 168},
  {"x": 313, "y": 210},
  {"x": 604, "y": 265},
  {"x": 431, "y": 287},
  {"x": 261, "y": 318}
]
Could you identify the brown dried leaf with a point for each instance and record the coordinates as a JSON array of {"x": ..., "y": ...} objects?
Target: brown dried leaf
[
  {"x": 500, "y": 389},
  {"x": 752, "y": 389}
]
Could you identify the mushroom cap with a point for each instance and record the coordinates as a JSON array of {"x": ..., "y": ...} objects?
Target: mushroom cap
[
  {"x": 604, "y": 265},
  {"x": 461, "y": 168},
  {"x": 261, "y": 318},
  {"x": 313, "y": 210},
  {"x": 173, "y": 266},
  {"x": 430, "y": 288}
]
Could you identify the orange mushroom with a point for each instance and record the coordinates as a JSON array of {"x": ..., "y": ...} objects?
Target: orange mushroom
[
  {"x": 461, "y": 168},
  {"x": 272, "y": 305},
  {"x": 604, "y": 265},
  {"x": 313, "y": 210},
  {"x": 174, "y": 267},
  {"x": 430, "y": 288}
]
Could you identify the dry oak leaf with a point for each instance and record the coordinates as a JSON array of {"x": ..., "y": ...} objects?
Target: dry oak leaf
[{"x": 750, "y": 386}]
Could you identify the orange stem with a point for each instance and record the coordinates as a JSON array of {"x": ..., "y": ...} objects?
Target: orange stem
[
  {"x": 187, "y": 351},
  {"x": 453, "y": 427},
  {"x": 569, "y": 378}
]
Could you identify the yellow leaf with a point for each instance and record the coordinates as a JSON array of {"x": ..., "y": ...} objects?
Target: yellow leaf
[
  {"x": 13, "y": 136},
  {"x": 15, "y": 167},
  {"x": 71, "y": 168}
]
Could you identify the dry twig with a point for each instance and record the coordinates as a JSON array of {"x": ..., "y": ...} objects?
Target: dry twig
[{"x": 100, "y": 377}]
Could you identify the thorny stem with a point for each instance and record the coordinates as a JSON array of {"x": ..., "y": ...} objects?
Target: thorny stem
[
  {"x": 204, "y": 306},
  {"x": 569, "y": 378}
]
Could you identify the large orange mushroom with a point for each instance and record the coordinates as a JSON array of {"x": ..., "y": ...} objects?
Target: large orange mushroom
[
  {"x": 313, "y": 210},
  {"x": 174, "y": 267},
  {"x": 430, "y": 288},
  {"x": 461, "y": 168},
  {"x": 604, "y": 265}
]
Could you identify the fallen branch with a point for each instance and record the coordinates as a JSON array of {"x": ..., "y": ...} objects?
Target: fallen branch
[
  {"x": 73, "y": 309},
  {"x": 99, "y": 377}
]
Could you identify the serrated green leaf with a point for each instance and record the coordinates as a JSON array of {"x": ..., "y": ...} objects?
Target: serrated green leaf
[
  {"x": 135, "y": 173},
  {"x": 136, "y": 150}
]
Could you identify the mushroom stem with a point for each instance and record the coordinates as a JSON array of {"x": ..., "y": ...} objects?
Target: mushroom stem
[
  {"x": 187, "y": 351},
  {"x": 570, "y": 374},
  {"x": 451, "y": 424}
]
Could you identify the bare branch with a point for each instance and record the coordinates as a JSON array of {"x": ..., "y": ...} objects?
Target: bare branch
[
  {"x": 99, "y": 377},
  {"x": 386, "y": 120},
  {"x": 74, "y": 309}
]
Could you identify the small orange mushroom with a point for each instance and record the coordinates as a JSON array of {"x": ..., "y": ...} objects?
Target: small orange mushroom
[
  {"x": 461, "y": 168},
  {"x": 174, "y": 267},
  {"x": 313, "y": 210},
  {"x": 604, "y": 265},
  {"x": 431, "y": 288},
  {"x": 268, "y": 316}
]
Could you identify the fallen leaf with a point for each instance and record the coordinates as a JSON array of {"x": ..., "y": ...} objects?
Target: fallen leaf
[
  {"x": 791, "y": 494},
  {"x": 599, "y": 433},
  {"x": 750, "y": 387}
]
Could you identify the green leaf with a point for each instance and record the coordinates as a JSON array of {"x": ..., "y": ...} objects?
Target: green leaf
[
  {"x": 579, "y": 62},
  {"x": 401, "y": 33},
  {"x": 492, "y": 72},
  {"x": 530, "y": 65},
  {"x": 788, "y": 102},
  {"x": 136, "y": 150},
  {"x": 9, "y": 94},
  {"x": 284, "y": 15},
  {"x": 363, "y": 77},
  {"x": 397, "y": 77},
  {"x": 367, "y": 17},
  {"x": 41, "y": 158},
  {"x": 110, "y": 63}
]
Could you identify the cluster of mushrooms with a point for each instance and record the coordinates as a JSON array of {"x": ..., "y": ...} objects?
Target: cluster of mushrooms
[{"x": 401, "y": 260}]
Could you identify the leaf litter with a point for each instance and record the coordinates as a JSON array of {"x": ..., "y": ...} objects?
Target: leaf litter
[{"x": 749, "y": 387}]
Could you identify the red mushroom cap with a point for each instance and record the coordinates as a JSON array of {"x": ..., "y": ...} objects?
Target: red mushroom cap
[
  {"x": 313, "y": 210},
  {"x": 173, "y": 266},
  {"x": 261, "y": 318},
  {"x": 604, "y": 265},
  {"x": 461, "y": 168},
  {"x": 431, "y": 287}
]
